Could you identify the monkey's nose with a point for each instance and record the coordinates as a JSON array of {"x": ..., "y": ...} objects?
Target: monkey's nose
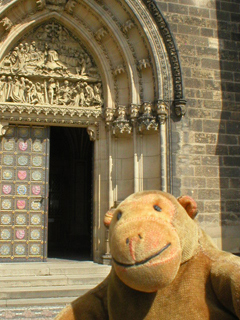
[{"x": 134, "y": 238}]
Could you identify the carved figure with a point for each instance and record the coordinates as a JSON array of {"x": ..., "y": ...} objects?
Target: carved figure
[
  {"x": 134, "y": 110},
  {"x": 144, "y": 64},
  {"x": 109, "y": 113},
  {"x": 147, "y": 109},
  {"x": 98, "y": 93},
  {"x": 92, "y": 133},
  {"x": 89, "y": 93},
  {"x": 51, "y": 90},
  {"x": 3, "y": 88},
  {"x": 40, "y": 4},
  {"x": 164, "y": 267},
  {"x": 162, "y": 111},
  {"x": 147, "y": 121},
  {"x": 121, "y": 113},
  {"x": 18, "y": 59},
  {"x": 83, "y": 65},
  {"x": 52, "y": 62},
  {"x": 64, "y": 91},
  {"x": 70, "y": 6},
  {"x": 82, "y": 95},
  {"x": 61, "y": 34},
  {"x": 40, "y": 92},
  {"x": 76, "y": 95},
  {"x": 31, "y": 94},
  {"x": 9, "y": 87},
  {"x": 15, "y": 90},
  {"x": 33, "y": 52},
  {"x": 6, "y": 23}
]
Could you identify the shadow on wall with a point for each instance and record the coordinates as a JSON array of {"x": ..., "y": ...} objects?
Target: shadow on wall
[{"x": 228, "y": 145}]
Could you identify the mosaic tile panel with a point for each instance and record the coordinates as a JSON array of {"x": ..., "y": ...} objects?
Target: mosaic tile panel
[{"x": 24, "y": 174}]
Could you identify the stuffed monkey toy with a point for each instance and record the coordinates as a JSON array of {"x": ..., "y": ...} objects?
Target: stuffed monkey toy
[{"x": 164, "y": 267}]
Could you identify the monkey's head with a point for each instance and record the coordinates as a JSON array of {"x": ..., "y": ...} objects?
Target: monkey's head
[{"x": 151, "y": 233}]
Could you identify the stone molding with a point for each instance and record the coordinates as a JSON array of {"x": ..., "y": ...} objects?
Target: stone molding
[
  {"x": 179, "y": 98},
  {"x": 100, "y": 34},
  {"x": 48, "y": 110},
  {"x": 128, "y": 25},
  {"x": 145, "y": 117},
  {"x": 41, "y": 119}
]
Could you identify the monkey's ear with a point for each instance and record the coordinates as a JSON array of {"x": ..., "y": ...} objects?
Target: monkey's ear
[
  {"x": 108, "y": 217},
  {"x": 189, "y": 205}
]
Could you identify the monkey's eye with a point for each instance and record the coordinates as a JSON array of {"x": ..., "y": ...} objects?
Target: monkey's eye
[
  {"x": 119, "y": 215},
  {"x": 157, "y": 208}
]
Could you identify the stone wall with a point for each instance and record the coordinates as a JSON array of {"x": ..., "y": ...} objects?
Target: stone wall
[{"x": 205, "y": 146}]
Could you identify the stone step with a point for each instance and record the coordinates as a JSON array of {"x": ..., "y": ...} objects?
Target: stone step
[
  {"x": 42, "y": 293},
  {"x": 52, "y": 283},
  {"x": 51, "y": 280},
  {"x": 61, "y": 301},
  {"x": 45, "y": 269}
]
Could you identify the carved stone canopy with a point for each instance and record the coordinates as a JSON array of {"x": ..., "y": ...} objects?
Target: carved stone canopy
[{"x": 145, "y": 117}]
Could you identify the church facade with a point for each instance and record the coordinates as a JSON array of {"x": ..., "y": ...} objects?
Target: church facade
[{"x": 100, "y": 99}]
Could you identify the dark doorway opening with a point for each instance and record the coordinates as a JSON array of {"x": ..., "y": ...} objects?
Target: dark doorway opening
[{"x": 70, "y": 194}]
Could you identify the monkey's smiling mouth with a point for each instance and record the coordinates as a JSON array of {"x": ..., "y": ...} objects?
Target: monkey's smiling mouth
[{"x": 138, "y": 263}]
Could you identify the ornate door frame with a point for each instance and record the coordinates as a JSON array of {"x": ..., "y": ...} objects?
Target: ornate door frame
[{"x": 109, "y": 66}]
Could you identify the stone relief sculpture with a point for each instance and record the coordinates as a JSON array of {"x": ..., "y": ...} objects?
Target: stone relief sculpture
[
  {"x": 127, "y": 26},
  {"x": 6, "y": 23},
  {"x": 49, "y": 66},
  {"x": 23, "y": 90},
  {"x": 41, "y": 4},
  {"x": 144, "y": 64}
]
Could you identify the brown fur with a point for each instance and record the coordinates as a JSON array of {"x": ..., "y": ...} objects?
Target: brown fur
[{"x": 189, "y": 279}]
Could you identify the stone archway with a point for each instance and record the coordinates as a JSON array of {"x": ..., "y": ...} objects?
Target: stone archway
[{"x": 108, "y": 66}]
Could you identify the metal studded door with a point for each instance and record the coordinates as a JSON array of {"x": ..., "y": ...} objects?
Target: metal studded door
[{"x": 24, "y": 190}]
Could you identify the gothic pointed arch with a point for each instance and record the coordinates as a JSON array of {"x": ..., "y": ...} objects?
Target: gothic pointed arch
[
  {"x": 130, "y": 47},
  {"x": 108, "y": 66},
  {"x": 179, "y": 96}
]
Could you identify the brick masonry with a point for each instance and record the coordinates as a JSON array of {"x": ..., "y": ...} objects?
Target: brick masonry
[{"x": 206, "y": 142}]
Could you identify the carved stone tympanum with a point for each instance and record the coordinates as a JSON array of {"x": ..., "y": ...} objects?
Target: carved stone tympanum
[{"x": 50, "y": 66}]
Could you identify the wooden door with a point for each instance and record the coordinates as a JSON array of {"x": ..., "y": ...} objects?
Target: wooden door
[{"x": 24, "y": 193}]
